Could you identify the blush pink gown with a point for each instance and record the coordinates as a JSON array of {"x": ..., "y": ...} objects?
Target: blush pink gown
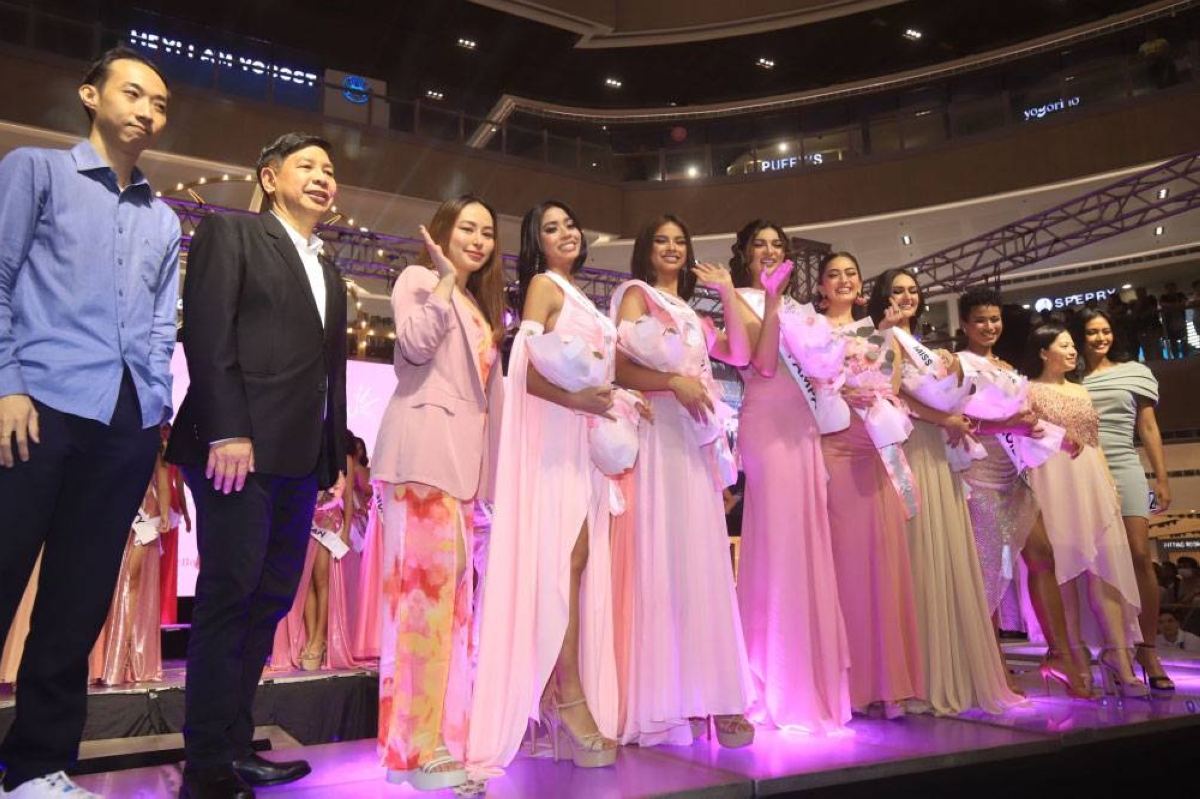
[
  {"x": 547, "y": 491},
  {"x": 870, "y": 553},
  {"x": 682, "y": 643},
  {"x": 795, "y": 636},
  {"x": 290, "y": 635}
]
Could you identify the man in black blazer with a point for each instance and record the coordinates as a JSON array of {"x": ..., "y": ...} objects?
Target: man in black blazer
[{"x": 261, "y": 429}]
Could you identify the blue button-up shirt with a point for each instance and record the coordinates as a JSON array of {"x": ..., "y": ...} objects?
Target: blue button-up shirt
[{"x": 89, "y": 280}]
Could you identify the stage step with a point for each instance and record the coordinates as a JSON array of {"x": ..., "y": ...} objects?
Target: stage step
[{"x": 118, "y": 754}]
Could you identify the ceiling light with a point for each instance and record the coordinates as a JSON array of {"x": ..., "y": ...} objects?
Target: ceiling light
[
  {"x": 1158, "y": 231},
  {"x": 350, "y": 222},
  {"x": 1163, "y": 193},
  {"x": 906, "y": 239},
  {"x": 1127, "y": 286},
  {"x": 766, "y": 63},
  {"x": 158, "y": 194},
  {"x": 612, "y": 83},
  {"x": 693, "y": 171},
  {"x": 224, "y": 177},
  {"x": 912, "y": 34},
  {"x": 433, "y": 94},
  {"x": 350, "y": 330},
  {"x": 783, "y": 147},
  {"x": 466, "y": 44}
]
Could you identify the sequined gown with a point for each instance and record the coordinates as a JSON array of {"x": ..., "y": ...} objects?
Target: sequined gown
[
  {"x": 1079, "y": 502},
  {"x": 1003, "y": 511}
]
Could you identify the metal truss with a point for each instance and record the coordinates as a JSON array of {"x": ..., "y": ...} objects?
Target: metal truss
[
  {"x": 358, "y": 252},
  {"x": 1144, "y": 198}
]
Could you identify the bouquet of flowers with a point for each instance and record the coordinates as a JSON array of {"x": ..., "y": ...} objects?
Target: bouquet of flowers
[
  {"x": 613, "y": 443},
  {"x": 1000, "y": 394},
  {"x": 567, "y": 361}
]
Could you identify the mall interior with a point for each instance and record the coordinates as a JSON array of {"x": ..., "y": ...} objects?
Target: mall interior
[{"x": 1047, "y": 148}]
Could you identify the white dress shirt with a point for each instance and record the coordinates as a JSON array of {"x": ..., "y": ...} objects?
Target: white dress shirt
[{"x": 309, "y": 251}]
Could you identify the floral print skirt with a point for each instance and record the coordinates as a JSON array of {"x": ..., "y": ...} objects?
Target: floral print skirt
[{"x": 426, "y": 641}]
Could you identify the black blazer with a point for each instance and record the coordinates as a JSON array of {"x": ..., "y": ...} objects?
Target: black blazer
[{"x": 259, "y": 363}]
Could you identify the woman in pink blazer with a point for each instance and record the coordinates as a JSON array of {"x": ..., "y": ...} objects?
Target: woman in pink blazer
[{"x": 433, "y": 457}]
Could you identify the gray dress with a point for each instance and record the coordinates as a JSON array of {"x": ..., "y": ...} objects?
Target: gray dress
[{"x": 1115, "y": 394}]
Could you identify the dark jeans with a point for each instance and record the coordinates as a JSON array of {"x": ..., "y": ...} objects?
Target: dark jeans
[
  {"x": 76, "y": 497},
  {"x": 251, "y": 545}
]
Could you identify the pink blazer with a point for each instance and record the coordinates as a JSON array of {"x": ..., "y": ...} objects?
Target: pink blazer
[{"x": 441, "y": 426}]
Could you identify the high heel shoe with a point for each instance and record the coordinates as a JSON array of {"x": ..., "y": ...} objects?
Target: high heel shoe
[
  {"x": 1113, "y": 684},
  {"x": 733, "y": 732},
  {"x": 311, "y": 661},
  {"x": 592, "y": 750},
  {"x": 1160, "y": 685},
  {"x": 1057, "y": 666},
  {"x": 432, "y": 774}
]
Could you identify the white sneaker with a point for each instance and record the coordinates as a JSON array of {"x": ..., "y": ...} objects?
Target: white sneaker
[{"x": 50, "y": 786}]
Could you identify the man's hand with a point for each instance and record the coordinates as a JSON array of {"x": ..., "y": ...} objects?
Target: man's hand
[
  {"x": 228, "y": 464},
  {"x": 18, "y": 418}
]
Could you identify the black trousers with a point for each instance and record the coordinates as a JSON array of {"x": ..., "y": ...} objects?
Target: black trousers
[
  {"x": 76, "y": 497},
  {"x": 251, "y": 545}
]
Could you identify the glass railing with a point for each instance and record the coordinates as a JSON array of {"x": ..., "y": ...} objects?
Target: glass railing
[{"x": 806, "y": 138}]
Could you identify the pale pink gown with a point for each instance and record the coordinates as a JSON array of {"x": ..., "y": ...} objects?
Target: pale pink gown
[
  {"x": 290, "y": 635},
  {"x": 683, "y": 641},
  {"x": 1082, "y": 510},
  {"x": 787, "y": 586},
  {"x": 367, "y": 616},
  {"x": 547, "y": 491}
]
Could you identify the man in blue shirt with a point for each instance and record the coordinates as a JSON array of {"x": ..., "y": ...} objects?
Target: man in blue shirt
[{"x": 89, "y": 265}]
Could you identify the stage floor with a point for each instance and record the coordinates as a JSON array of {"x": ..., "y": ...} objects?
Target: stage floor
[{"x": 1050, "y": 730}]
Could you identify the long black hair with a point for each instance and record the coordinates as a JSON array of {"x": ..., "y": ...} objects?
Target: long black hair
[
  {"x": 739, "y": 261},
  {"x": 1116, "y": 352},
  {"x": 881, "y": 296},
  {"x": 532, "y": 259},
  {"x": 1041, "y": 338},
  {"x": 641, "y": 266}
]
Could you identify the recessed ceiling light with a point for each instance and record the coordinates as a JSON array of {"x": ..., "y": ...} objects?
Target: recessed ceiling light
[
  {"x": 612, "y": 83},
  {"x": 433, "y": 94},
  {"x": 693, "y": 171},
  {"x": 906, "y": 239},
  {"x": 783, "y": 147},
  {"x": 466, "y": 44},
  {"x": 1127, "y": 286},
  {"x": 765, "y": 63},
  {"x": 912, "y": 34},
  {"x": 1163, "y": 193},
  {"x": 1158, "y": 231}
]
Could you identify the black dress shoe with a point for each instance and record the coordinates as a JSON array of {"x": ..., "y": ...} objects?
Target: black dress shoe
[
  {"x": 214, "y": 783},
  {"x": 257, "y": 770}
]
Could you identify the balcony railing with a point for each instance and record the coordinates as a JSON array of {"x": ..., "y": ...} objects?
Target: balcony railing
[{"x": 1025, "y": 93}]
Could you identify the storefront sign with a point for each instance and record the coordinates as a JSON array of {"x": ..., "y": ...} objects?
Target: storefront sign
[
  {"x": 1057, "y": 303},
  {"x": 168, "y": 45},
  {"x": 791, "y": 162},
  {"x": 1054, "y": 106}
]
